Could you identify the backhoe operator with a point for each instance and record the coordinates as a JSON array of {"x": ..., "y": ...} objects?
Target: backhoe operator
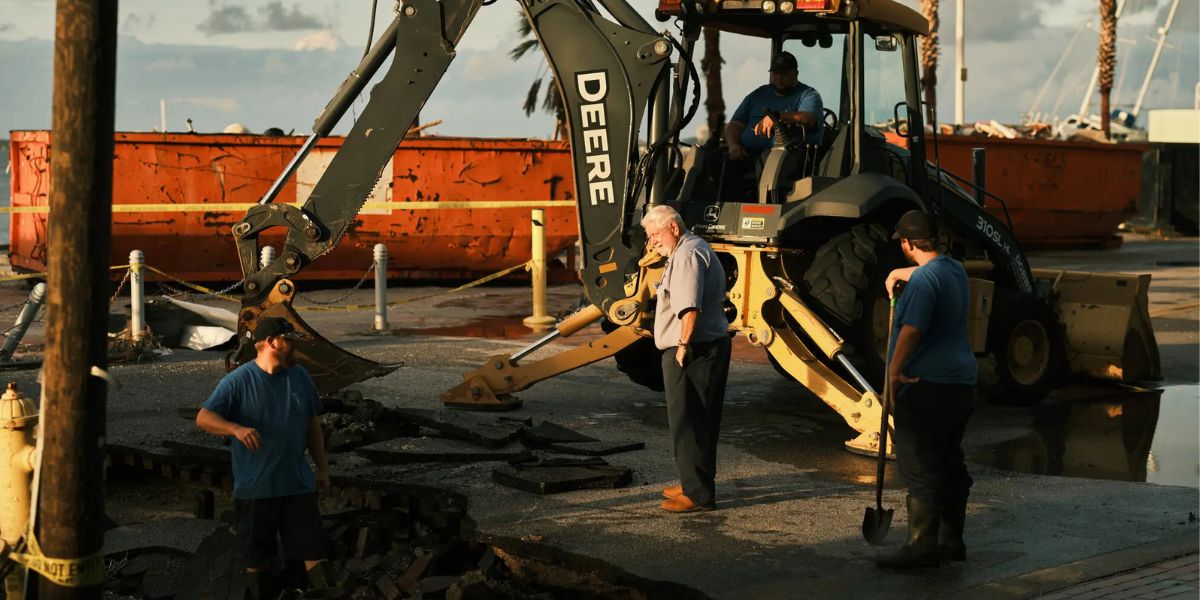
[{"x": 796, "y": 103}]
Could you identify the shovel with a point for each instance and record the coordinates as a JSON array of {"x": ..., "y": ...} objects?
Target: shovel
[{"x": 877, "y": 521}]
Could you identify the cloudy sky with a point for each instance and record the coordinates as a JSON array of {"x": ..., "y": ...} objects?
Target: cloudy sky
[{"x": 275, "y": 62}]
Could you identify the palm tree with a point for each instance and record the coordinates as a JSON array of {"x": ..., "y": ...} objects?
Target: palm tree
[
  {"x": 929, "y": 58},
  {"x": 1107, "y": 59},
  {"x": 714, "y": 97},
  {"x": 551, "y": 101}
]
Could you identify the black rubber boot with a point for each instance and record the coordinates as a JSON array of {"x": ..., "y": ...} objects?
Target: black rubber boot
[
  {"x": 921, "y": 549},
  {"x": 260, "y": 585},
  {"x": 950, "y": 537}
]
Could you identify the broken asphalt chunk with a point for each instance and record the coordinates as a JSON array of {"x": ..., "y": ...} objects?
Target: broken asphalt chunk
[
  {"x": 488, "y": 433},
  {"x": 550, "y": 433},
  {"x": 553, "y": 476},
  {"x": 601, "y": 448},
  {"x": 424, "y": 449}
]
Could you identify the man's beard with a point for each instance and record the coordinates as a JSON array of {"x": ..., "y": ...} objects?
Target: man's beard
[
  {"x": 781, "y": 89},
  {"x": 288, "y": 359}
]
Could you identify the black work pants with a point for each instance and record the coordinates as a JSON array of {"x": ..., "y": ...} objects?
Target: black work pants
[
  {"x": 930, "y": 420},
  {"x": 695, "y": 395}
]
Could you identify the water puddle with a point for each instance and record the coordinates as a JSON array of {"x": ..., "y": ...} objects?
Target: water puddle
[
  {"x": 1143, "y": 435},
  {"x": 496, "y": 328}
]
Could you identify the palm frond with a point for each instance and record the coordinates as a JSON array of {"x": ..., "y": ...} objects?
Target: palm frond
[
  {"x": 551, "y": 101},
  {"x": 531, "y": 97},
  {"x": 523, "y": 26},
  {"x": 522, "y": 49}
]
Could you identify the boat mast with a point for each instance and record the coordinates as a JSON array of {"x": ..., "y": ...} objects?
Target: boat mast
[
  {"x": 1162, "y": 40},
  {"x": 960, "y": 84}
]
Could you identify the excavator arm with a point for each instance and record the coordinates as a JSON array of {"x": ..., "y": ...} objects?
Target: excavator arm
[{"x": 607, "y": 72}]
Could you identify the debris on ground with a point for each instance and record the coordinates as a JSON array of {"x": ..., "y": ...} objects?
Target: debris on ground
[
  {"x": 427, "y": 449},
  {"x": 557, "y": 475},
  {"x": 490, "y": 433}
]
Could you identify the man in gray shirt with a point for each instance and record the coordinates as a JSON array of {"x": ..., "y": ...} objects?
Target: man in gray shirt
[{"x": 691, "y": 329}]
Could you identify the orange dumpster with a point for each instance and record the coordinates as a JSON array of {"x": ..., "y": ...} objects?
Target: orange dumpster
[{"x": 445, "y": 207}]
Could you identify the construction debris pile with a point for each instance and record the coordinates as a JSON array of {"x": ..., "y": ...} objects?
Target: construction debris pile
[{"x": 387, "y": 539}]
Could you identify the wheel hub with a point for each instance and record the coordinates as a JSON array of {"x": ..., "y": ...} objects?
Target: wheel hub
[{"x": 1029, "y": 352}]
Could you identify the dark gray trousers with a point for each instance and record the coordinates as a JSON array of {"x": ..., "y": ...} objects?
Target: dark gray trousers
[
  {"x": 930, "y": 421},
  {"x": 695, "y": 395}
]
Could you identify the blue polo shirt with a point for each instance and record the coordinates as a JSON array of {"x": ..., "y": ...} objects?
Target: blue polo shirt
[
  {"x": 935, "y": 301},
  {"x": 754, "y": 107},
  {"x": 279, "y": 406}
]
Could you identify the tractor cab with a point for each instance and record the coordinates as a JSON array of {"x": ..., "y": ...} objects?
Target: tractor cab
[{"x": 862, "y": 57}]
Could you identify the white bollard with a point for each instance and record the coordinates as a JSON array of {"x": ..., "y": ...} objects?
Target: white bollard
[
  {"x": 266, "y": 256},
  {"x": 537, "y": 271},
  {"x": 137, "y": 324},
  {"x": 13, "y": 338},
  {"x": 381, "y": 323}
]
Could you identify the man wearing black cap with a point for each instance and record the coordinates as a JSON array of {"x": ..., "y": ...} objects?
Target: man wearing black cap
[
  {"x": 269, "y": 406},
  {"x": 750, "y": 130},
  {"x": 932, "y": 371}
]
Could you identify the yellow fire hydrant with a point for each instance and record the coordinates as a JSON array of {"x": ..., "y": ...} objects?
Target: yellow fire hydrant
[{"x": 18, "y": 419}]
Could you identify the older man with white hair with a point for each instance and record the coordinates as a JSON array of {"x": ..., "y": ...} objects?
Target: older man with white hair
[{"x": 691, "y": 329}]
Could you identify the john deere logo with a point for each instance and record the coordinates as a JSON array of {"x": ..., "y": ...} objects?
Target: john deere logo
[{"x": 712, "y": 213}]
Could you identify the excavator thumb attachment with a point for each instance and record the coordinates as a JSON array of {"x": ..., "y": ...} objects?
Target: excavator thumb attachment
[
  {"x": 331, "y": 367},
  {"x": 1107, "y": 319},
  {"x": 491, "y": 387}
]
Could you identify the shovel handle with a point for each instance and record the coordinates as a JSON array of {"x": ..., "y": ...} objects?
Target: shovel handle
[{"x": 887, "y": 403}]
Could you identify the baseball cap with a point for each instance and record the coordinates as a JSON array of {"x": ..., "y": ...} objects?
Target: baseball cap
[
  {"x": 784, "y": 61},
  {"x": 275, "y": 326},
  {"x": 915, "y": 225}
]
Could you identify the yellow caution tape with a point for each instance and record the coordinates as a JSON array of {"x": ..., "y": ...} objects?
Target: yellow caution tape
[
  {"x": 241, "y": 207},
  {"x": 43, "y": 274},
  {"x": 84, "y": 571},
  {"x": 480, "y": 281},
  {"x": 193, "y": 286}
]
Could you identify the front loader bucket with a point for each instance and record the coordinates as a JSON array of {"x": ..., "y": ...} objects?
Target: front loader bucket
[
  {"x": 1107, "y": 319},
  {"x": 331, "y": 367}
]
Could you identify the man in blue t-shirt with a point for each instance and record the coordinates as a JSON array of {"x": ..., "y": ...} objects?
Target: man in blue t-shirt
[
  {"x": 932, "y": 372},
  {"x": 750, "y": 131},
  {"x": 269, "y": 406}
]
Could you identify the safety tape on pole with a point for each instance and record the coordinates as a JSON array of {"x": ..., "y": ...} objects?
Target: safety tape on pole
[
  {"x": 43, "y": 274},
  {"x": 465, "y": 286},
  {"x": 241, "y": 207},
  {"x": 353, "y": 307},
  {"x": 79, "y": 572},
  {"x": 193, "y": 286}
]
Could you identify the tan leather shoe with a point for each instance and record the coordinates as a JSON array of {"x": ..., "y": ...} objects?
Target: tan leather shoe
[
  {"x": 673, "y": 491},
  {"x": 683, "y": 504}
]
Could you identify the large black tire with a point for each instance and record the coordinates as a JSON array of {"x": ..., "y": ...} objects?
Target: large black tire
[
  {"x": 845, "y": 281},
  {"x": 641, "y": 361},
  {"x": 1027, "y": 351}
]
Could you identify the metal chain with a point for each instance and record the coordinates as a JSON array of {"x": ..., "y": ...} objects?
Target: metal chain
[
  {"x": 120, "y": 286},
  {"x": 342, "y": 298},
  {"x": 21, "y": 304},
  {"x": 174, "y": 291}
]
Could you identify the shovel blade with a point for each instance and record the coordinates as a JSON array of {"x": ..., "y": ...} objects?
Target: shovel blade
[{"x": 876, "y": 523}]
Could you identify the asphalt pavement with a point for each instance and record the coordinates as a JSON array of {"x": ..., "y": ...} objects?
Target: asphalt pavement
[{"x": 790, "y": 498}]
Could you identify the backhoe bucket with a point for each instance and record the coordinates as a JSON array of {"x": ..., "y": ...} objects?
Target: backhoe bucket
[
  {"x": 1107, "y": 319},
  {"x": 331, "y": 367}
]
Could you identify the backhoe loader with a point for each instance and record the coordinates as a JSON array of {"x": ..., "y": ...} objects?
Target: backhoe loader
[{"x": 804, "y": 238}]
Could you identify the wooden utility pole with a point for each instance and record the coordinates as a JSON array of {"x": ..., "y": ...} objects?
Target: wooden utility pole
[{"x": 70, "y": 511}]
